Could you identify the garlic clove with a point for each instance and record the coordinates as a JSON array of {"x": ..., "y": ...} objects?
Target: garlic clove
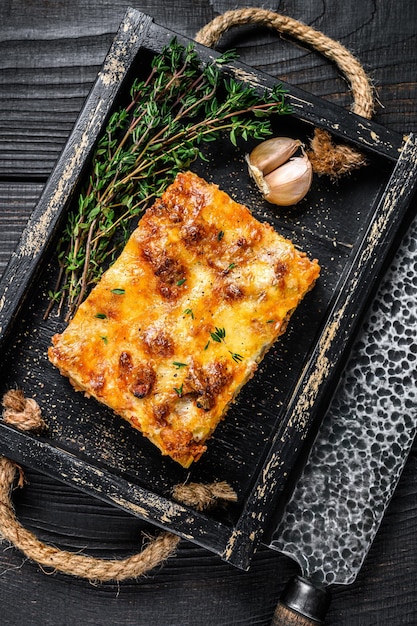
[
  {"x": 289, "y": 183},
  {"x": 272, "y": 153}
]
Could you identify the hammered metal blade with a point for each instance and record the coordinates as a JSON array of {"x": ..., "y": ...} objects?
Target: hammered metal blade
[{"x": 355, "y": 463}]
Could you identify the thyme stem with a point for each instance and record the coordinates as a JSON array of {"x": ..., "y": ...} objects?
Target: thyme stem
[{"x": 178, "y": 107}]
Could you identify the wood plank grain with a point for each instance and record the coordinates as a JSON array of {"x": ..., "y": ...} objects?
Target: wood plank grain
[
  {"x": 48, "y": 68},
  {"x": 49, "y": 56},
  {"x": 17, "y": 201}
]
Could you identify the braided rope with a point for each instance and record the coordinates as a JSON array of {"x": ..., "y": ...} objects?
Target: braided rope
[
  {"x": 326, "y": 156},
  {"x": 24, "y": 413}
]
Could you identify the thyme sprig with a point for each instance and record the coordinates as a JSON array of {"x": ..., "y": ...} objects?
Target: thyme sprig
[
  {"x": 219, "y": 336},
  {"x": 180, "y": 106}
]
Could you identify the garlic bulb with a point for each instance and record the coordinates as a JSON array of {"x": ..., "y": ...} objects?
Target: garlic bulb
[{"x": 281, "y": 179}]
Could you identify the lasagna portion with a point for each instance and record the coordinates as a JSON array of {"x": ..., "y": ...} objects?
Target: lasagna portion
[{"x": 181, "y": 320}]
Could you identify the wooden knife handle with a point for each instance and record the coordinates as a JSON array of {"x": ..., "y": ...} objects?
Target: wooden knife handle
[
  {"x": 301, "y": 604},
  {"x": 284, "y": 616}
]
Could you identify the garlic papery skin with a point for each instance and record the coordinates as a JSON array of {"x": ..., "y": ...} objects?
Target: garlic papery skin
[
  {"x": 289, "y": 183},
  {"x": 272, "y": 153}
]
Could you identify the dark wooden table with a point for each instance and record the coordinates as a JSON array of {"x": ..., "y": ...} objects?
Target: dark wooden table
[{"x": 50, "y": 55}]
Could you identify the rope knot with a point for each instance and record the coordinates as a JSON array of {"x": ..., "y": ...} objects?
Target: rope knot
[
  {"x": 204, "y": 496},
  {"x": 22, "y": 412}
]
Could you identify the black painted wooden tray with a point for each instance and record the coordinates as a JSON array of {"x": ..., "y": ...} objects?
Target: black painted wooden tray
[{"x": 349, "y": 226}]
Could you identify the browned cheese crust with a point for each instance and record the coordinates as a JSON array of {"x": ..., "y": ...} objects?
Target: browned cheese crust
[{"x": 182, "y": 318}]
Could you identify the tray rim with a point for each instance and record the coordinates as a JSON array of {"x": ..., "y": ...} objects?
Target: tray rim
[{"x": 137, "y": 31}]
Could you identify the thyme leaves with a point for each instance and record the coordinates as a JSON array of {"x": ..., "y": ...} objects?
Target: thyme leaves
[
  {"x": 179, "y": 365},
  {"x": 178, "y": 391},
  {"x": 219, "y": 335},
  {"x": 171, "y": 114}
]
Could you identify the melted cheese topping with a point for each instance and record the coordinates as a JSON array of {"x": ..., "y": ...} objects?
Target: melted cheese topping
[{"x": 180, "y": 321}]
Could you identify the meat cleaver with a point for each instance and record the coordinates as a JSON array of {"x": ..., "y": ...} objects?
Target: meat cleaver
[{"x": 335, "y": 510}]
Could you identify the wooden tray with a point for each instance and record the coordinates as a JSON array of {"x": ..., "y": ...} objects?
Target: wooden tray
[{"x": 350, "y": 226}]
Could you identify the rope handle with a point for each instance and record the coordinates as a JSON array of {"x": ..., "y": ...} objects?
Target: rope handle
[
  {"x": 327, "y": 158},
  {"x": 25, "y": 414}
]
